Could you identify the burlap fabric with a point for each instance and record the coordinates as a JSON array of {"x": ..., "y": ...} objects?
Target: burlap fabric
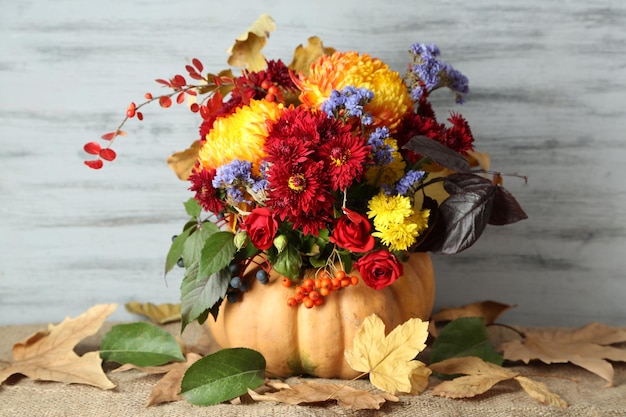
[{"x": 585, "y": 392}]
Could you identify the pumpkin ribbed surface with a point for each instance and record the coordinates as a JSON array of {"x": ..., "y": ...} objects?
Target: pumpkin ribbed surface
[{"x": 297, "y": 340}]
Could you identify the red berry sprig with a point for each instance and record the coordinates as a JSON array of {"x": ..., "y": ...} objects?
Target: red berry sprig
[
  {"x": 180, "y": 89},
  {"x": 311, "y": 292}
]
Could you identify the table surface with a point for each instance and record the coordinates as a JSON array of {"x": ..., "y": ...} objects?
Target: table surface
[{"x": 548, "y": 82}]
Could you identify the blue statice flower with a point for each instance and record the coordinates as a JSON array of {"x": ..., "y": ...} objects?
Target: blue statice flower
[
  {"x": 237, "y": 176},
  {"x": 435, "y": 73},
  {"x": 381, "y": 152},
  {"x": 351, "y": 99},
  {"x": 235, "y": 172},
  {"x": 410, "y": 179},
  {"x": 236, "y": 195}
]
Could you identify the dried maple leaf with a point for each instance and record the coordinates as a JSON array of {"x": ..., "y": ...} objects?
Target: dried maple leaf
[
  {"x": 182, "y": 162},
  {"x": 389, "y": 359},
  {"x": 304, "y": 56},
  {"x": 480, "y": 376},
  {"x": 586, "y": 347},
  {"x": 317, "y": 392},
  {"x": 161, "y": 313},
  {"x": 489, "y": 310},
  {"x": 49, "y": 355},
  {"x": 246, "y": 52}
]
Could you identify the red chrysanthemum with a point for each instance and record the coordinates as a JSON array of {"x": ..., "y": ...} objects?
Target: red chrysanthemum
[
  {"x": 345, "y": 156},
  {"x": 298, "y": 193},
  {"x": 202, "y": 185},
  {"x": 417, "y": 125},
  {"x": 459, "y": 137}
]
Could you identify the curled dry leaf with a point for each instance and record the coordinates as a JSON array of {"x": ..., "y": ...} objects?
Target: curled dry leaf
[
  {"x": 246, "y": 52},
  {"x": 168, "y": 387},
  {"x": 316, "y": 392},
  {"x": 480, "y": 376},
  {"x": 489, "y": 310},
  {"x": 587, "y": 347},
  {"x": 389, "y": 359},
  {"x": 304, "y": 56},
  {"x": 49, "y": 355},
  {"x": 161, "y": 313}
]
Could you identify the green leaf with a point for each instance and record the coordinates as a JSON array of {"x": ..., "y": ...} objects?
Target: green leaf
[
  {"x": 192, "y": 207},
  {"x": 465, "y": 336},
  {"x": 141, "y": 344},
  {"x": 193, "y": 245},
  {"x": 222, "y": 376},
  {"x": 176, "y": 250},
  {"x": 217, "y": 253},
  {"x": 199, "y": 293},
  {"x": 288, "y": 262}
]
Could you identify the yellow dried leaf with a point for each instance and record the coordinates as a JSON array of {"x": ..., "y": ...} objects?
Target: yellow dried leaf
[
  {"x": 540, "y": 392},
  {"x": 182, "y": 162},
  {"x": 317, "y": 392},
  {"x": 586, "y": 347},
  {"x": 50, "y": 356},
  {"x": 304, "y": 56},
  {"x": 466, "y": 386},
  {"x": 246, "y": 52},
  {"x": 161, "y": 313},
  {"x": 389, "y": 359}
]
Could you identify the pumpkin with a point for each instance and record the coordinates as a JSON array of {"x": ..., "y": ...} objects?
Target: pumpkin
[{"x": 297, "y": 340}]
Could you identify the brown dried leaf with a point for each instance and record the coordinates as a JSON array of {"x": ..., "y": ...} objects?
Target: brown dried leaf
[
  {"x": 316, "y": 392},
  {"x": 481, "y": 376},
  {"x": 489, "y": 310},
  {"x": 304, "y": 56},
  {"x": 246, "y": 52},
  {"x": 50, "y": 356},
  {"x": 586, "y": 347},
  {"x": 182, "y": 162},
  {"x": 161, "y": 313},
  {"x": 168, "y": 388},
  {"x": 540, "y": 392}
]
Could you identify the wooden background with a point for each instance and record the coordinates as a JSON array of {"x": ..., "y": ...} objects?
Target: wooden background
[{"x": 548, "y": 81}]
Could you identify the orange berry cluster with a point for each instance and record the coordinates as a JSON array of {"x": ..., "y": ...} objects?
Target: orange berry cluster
[
  {"x": 272, "y": 90},
  {"x": 311, "y": 292}
]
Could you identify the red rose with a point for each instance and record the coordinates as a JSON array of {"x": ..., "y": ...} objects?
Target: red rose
[
  {"x": 261, "y": 226},
  {"x": 379, "y": 269},
  {"x": 352, "y": 232}
]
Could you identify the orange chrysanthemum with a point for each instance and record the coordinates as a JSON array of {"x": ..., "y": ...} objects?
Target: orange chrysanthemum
[
  {"x": 341, "y": 69},
  {"x": 241, "y": 135}
]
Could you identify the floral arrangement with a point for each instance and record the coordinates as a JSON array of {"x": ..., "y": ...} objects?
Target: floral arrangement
[{"x": 334, "y": 162}]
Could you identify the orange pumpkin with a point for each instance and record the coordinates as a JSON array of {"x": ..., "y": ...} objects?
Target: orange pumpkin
[{"x": 296, "y": 340}]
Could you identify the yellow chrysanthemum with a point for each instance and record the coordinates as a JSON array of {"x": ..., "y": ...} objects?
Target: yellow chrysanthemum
[
  {"x": 240, "y": 135},
  {"x": 341, "y": 69},
  {"x": 391, "y": 172},
  {"x": 389, "y": 209},
  {"x": 399, "y": 236}
]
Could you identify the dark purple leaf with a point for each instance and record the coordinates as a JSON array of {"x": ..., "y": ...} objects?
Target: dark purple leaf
[
  {"x": 438, "y": 152},
  {"x": 506, "y": 209},
  {"x": 460, "y": 221}
]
